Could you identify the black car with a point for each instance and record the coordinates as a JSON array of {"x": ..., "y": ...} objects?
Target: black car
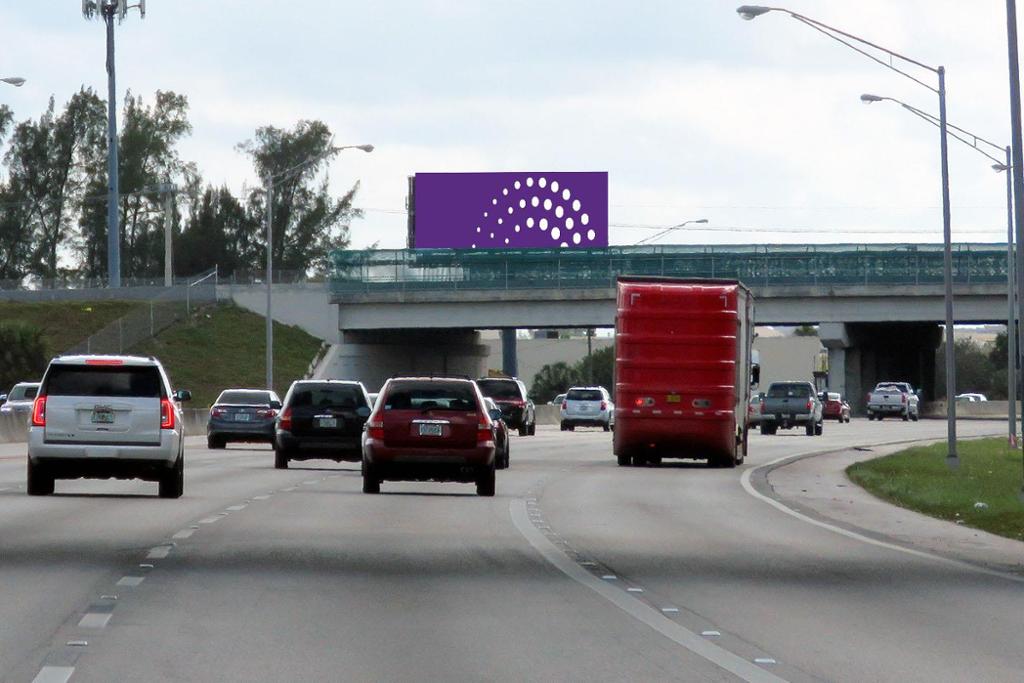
[
  {"x": 501, "y": 440},
  {"x": 321, "y": 419},
  {"x": 509, "y": 394},
  {"x": 242, "y": 415}
]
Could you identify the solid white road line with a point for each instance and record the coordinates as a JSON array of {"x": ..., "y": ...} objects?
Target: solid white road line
[
  {"x": 749, "y": 488},
  {"x": 635, "y": 608},
  {"x": 54, "y": 674}
]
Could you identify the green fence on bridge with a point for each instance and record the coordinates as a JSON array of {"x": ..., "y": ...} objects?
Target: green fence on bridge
[{"x": 757, "y": 266}]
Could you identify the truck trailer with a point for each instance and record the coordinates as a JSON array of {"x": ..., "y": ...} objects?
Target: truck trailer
[{"x": 683, "y": 350}]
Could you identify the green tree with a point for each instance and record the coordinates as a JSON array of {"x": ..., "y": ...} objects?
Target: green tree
[
  {"x": 148, "y": 156},
  {"x": 975, "y": 372},
  {"x": 44, "y": 172},
  {"x": 598, "y": 369},
  {"x": 308, "y": 222},
  {"x": 806, "y": 331},
  {"x": 218, "y": 232},
  {"x": 22, "y": 353},
  {"x": 551, "y": 380}
]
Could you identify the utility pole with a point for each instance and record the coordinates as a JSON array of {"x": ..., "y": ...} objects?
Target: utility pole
[
  {"x": 167, "y": 189},
  {"x": 270, "y": 280},
  {"x": 590, "y": 356},
  {"x": 1017, "y": 167},
  {"x": 108, "y": 11}
]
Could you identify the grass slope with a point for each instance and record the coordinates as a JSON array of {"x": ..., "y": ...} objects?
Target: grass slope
[
  {"x": 919, "y": 479},
  {"x": 65, "y": 323},
  {"x": 225, "y": 346}
]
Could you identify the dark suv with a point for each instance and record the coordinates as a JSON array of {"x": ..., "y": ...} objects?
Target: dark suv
[
  {"x": 321, "y": 419},
  {"x": 509, "y": 394}
]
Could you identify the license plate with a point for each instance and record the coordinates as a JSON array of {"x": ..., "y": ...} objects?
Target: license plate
[
  {"x": 430, "y": 430},
  {"x": 103, "y": 417},
  {"x": 328, "y": 422},
  {"x": 674, "y": 398},
  {"x": 243, "y": 417}
]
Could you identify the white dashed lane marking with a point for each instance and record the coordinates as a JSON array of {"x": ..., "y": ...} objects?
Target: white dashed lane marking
[
  {"x": 95, "y": 619},
  {"x": 209, "y": 520},
  {"x": 236, "y": 508},
  {"x": 130, "y": 581},
  {"x": 159, "y": 552},
  {"x": 54, "y": 674},
  {"x": 184, "y": 533}
]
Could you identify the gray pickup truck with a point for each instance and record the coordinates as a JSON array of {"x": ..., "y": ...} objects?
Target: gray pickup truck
[
  {"x": 791, "y": 404},
  {"x": 894, "y": 399}
]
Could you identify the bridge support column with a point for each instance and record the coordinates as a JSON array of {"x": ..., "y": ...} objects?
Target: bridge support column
[
  {"x": 372, "y": 356},
  {"x": 509, "y": 359},
  {"x": 863, "y": 354}
]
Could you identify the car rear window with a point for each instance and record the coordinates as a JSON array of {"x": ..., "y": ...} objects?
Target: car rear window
[
  {"x": 789, "y": 391},
  {"x": 584, "y": 395},
  {"x": 833, "y": 397},
  {"x": 251, "y": 398},
  {"x": 499, "y": 388},
  {"x": 124, "y": 381},
  {"x": 328, "y": 396},
  {"x": 431, "y": 396},
  {"x": 22, "y": 393}
]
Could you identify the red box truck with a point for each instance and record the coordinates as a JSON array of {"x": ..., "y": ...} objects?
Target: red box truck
[{"x": 682, "y": 370}]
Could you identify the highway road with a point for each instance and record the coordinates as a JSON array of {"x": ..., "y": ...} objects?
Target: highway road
[{"x": 577, "y": 570}]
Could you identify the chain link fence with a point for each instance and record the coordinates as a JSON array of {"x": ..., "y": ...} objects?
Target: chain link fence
[{"x": 174, "y": 304}]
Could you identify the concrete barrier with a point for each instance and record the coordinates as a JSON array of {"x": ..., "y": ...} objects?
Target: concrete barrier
[
  {"x": 14, "y": 430},
  {"x": 547, "y": 414},
  {"x": 969, "y": 410}
]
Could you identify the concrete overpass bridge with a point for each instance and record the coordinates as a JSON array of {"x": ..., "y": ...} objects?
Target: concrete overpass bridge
[{"x": 879, "y": 306}]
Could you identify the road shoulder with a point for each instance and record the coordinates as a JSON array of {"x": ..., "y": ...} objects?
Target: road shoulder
[{"x": 817, "y": 486}]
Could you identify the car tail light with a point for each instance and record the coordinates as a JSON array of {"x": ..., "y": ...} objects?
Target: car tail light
[
  {"x": 639, "y": 403},
  {"x": 810, "y": 404},
  {"x": 483, "y": 431},
  {"x": 604, "y": 405},
  {"x": 39, "y": 412},
  {"x": 904, "y": 397},
  {"x": 565, "y": 405},
  {"x": 166, "y": 414},
  {"x": 518, "y": 402},
  {"x": 762, "y": 406},
  {"x": 266, "y": 412},
  {"x": 375, "y": 427},
  {"x": 104, "y": 361},
  {"x": 286, "y": 419},
  {"x": 217, "y": 412}
]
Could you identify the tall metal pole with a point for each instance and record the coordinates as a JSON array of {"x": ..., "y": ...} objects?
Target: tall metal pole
[
  {"x": 270, "y": 279},
  {"x": 947, "y": 237},
  {"x": 168, "y": 251},
  {"x": 1017, "y": 168},
  {"x": 1011, "y": 327},
  {"x": 113, "y": 228}
]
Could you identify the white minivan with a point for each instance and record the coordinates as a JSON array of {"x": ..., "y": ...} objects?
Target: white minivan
[{"x": 103, "y": 417}]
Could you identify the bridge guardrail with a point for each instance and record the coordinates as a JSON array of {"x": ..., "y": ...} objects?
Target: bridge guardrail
[{"x": 780, "y": 265}]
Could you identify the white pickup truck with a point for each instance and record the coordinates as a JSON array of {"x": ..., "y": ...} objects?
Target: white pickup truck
[{"x": 896, "y": 399}]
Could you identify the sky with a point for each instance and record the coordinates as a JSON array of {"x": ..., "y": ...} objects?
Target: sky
[{"x": 695, "y": 114}]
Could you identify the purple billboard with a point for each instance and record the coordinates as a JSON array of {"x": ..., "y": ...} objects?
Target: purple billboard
[{"x": 511, "y": 210}]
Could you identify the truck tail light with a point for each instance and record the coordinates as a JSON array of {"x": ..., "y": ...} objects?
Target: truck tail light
[
  {"x": 39, "y": 412},
  {"x": 286, "y": 419},
  {"x": 166, "y": 414}
]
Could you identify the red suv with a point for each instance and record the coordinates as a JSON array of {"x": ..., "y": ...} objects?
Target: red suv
[{"x": 429, "y": 429}]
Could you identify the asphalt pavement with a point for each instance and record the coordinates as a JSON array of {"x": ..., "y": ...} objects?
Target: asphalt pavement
[{"x": 576, "y": 570}]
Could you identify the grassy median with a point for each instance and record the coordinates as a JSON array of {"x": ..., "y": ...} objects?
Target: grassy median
[{"x": 919, "y": 479}]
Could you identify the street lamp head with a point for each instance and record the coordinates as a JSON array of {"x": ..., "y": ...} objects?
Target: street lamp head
[
  {"x": 868, "y": 99},
  {"x": 701, "y": 220},
  {"x": 16, "y": 81},
  {"x": 999, "y": 168},
  {"x": 365, "y": 148},
  {"x": 750, "y": 12}
]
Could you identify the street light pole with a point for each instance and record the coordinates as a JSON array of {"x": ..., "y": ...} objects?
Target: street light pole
[
  {"x": 974, "y": 142},
  {"x": 270, "y": 279},
  {"x": 863, "y": 47},
  {"x": 268, "y": 184}
]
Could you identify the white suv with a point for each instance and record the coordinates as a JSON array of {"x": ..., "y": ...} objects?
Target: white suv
[
  {"x": 587, "y": 406},
  {"x": 106, "y": 416}
]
